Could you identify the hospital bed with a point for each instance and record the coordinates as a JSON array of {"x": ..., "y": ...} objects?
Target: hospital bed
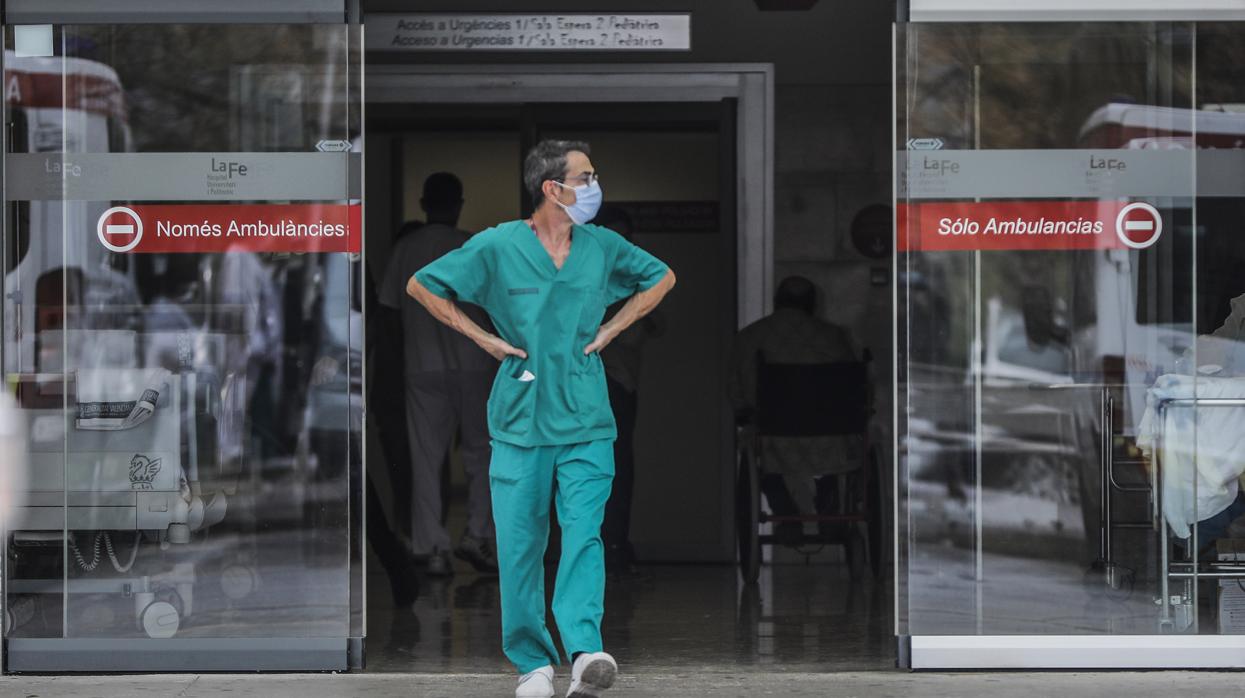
[
  {"x": 123, "y": 469},
  {"x": 1196, "y": 467},
  {"x": 1151, "y": 486},
  {"x": 1164, "y": 478}
]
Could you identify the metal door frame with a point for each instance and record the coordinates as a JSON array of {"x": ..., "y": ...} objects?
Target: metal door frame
[{"x": 751, "y": 85}]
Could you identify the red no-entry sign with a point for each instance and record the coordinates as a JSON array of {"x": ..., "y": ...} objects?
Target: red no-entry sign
[
  {"x": 120, "y": 229},
  {"x": 1026, "y": 225},
  {"x": 232, "y": 228},
  {"x": 1139, "y": 225}
]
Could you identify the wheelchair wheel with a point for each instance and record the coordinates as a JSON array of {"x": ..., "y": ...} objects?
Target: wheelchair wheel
[{"x": 747, "y": 519}]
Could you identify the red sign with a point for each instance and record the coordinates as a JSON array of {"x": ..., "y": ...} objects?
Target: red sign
[
  {"x": 232, "y": 228},
  {"x": 1026, "y": 225}
]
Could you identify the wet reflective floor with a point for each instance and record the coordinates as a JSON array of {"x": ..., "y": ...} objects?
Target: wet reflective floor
[{"x": 797, "y": 618}]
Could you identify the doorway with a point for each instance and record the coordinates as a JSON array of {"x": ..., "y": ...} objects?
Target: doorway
[
  {"x": 711, "y": 115},
  {"x": 673, "y": 150}
]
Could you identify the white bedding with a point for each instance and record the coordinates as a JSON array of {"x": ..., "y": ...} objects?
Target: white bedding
[{"x": 1216, "y": 436}]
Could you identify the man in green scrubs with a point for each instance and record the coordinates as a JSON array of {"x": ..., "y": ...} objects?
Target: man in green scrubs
[{"x": 546, "y": 282}]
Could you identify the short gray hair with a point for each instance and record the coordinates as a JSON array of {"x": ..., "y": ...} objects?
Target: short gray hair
[{"x": 547, "y": 160}]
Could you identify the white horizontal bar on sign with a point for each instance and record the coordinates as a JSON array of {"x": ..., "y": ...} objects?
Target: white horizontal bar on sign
[
  {"x": 174, "y": 12},
  {"x": 1073, "y": 10},
  {"x": 182, "y": 176},
  {"x": 1073, "y": 173},
  {"x": 668, "y": 31},
  {"x": 1078, "y": 651}
]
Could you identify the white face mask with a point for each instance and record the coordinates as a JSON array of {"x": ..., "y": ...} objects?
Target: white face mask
[{"x": 587, "y": 202}]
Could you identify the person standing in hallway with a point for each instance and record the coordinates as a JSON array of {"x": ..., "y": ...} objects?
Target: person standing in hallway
[
  {"x": 546, "y": 282},
  {"x": 447, "y": 383},
  {"x": 623, "y": 359}
]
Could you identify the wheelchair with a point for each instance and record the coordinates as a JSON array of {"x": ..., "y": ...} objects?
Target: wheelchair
[{"x": 807, "y": 401}]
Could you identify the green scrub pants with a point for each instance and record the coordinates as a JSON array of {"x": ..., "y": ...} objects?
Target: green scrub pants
[{"x": 577, "y": 477}]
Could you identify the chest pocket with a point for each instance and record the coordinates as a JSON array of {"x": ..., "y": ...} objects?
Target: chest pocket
[{"x": 523, "y": 304}]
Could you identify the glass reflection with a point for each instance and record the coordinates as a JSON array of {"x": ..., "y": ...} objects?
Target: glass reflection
[
  {"x": 1027, "y": 373},
  {"x": 194, "y": 416}
]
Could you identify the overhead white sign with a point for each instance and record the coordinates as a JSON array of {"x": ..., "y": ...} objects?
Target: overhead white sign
[
  {"x": 529, "y": 32},
  {"x": 1072, "y": 10}
]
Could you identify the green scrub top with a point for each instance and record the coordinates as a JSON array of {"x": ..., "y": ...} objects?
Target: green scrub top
[{"x": 556, "y": 396}]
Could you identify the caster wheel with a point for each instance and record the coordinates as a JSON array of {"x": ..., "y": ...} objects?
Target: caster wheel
[
  {"x": 237, "y": 582},
  {"x": 19, "y": 611},
  {"x": 169, "y": 595},
  {"x": 160, "y": 620}
]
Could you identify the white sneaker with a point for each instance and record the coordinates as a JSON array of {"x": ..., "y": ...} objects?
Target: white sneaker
[
  {"x": 591, "y": 674},
  {"x": 536, "y": 684}
]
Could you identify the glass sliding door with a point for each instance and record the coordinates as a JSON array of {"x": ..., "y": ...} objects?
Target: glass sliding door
[
  {"x": 1067, "y": 320},
  {"x": 182, "y": 336}
]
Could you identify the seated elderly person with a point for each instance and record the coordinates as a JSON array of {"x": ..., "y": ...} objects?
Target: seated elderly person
[{"x": 794, "y": 480}]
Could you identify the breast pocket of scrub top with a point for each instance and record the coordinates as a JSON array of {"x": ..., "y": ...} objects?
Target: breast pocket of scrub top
[
  {"x": 522, "y": 306},
  {"x": 510, "y": 407}
]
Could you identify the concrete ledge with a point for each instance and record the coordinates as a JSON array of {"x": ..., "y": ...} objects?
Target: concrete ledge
[{"x": 711, "y": 681}]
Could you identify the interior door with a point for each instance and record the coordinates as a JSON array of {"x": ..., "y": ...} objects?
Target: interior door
[{"x": 671, "y": 168}]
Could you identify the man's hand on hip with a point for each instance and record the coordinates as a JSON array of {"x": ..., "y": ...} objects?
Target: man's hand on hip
[
  {"x": 636, "y": 307},
  {"x": 605, "y": 335},
  {"x": 499, "y": 348}
]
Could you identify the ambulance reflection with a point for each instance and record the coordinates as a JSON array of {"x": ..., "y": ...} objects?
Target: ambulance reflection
[
  {"x": 12, "y": 459},
  {"x": 1082, "y": 319}
]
